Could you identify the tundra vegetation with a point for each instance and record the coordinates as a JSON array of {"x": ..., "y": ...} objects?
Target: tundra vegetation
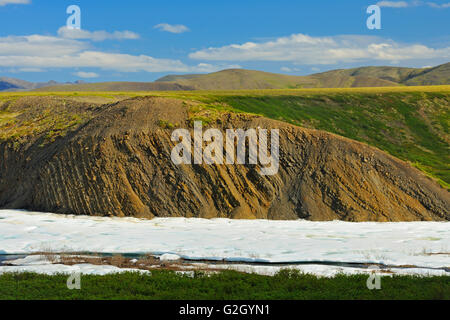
[
  {"x": 410, "y": 123},
  {"x": 226, "y": 285}
]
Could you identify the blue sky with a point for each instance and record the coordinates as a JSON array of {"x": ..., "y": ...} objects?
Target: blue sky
[{"x": 144, "y": 40}]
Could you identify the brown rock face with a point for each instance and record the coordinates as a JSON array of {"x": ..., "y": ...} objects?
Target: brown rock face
[{"x": 118, "y": 163}]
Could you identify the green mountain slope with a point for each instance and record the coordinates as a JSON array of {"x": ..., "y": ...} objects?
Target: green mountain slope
[
  {"x": 393, "y": 74},
  {"x": 241, "y": 79},
  {"x": 431, "y": 76},
  {"x": 235, "y": 79},
  {"x": 439, "y": 75},
  {"x": 411, "y": 126}
]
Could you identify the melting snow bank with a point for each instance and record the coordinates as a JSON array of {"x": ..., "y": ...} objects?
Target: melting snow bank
[
  {"x": 40, "y": 265},
  {"x": 423, "y": 245},
  {"x": 52, "y": 269},
  {"x": 332, "y": 271}
]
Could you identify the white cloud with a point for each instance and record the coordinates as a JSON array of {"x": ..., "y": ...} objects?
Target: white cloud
[
  {"x": 6, "y": 2},
  {"x": 30, "y": 70},
  {"x": 24, "y": 70},
  {"x": 179, "y": 28},
  {"x": 39, "y": 45},
  {"x": 44, "y": 52},
  {"x": 289, "y": 69},
  {"x": 86, "y": 75},
  {"x": 439, "y": 6},
  {"x": 393, "y": 4},
  {"x": 78, "y": 34},
  {"x": 417, "y": 3},
  {"x": 304, "y": 50}
]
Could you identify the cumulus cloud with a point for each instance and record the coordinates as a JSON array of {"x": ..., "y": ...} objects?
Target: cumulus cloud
[
  {"x": 306, "y": 50},
  {"x": 6, "y": 2},
  {"x": 178, "y": 28},
  {"x": 44, "y": 52},
  {"x": 404, "y": 4},
  {"x": 78, "y": 34},
  {"x": 86, "y": 75},
  {"x": 38, "y": 45}
]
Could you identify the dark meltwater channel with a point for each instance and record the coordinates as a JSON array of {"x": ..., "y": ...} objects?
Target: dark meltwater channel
[{"x": 9, "y": 257}]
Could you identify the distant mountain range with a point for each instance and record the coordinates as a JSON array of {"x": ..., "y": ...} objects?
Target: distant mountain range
[
  {"x": 358, "y": 77},
  {"x": 12, "y": 84},
  {"x": 235, "y": 79}
]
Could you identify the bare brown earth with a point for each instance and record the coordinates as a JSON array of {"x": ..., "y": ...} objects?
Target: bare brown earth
[{"x": 117, "y": 162}]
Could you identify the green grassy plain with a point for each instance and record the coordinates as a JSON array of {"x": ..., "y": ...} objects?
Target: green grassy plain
[
  {"x": 411, "y": 123},
  {"x": 226, "y": 285}
]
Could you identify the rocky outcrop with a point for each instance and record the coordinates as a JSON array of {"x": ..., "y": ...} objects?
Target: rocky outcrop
[{"x": 118, "y": 163}]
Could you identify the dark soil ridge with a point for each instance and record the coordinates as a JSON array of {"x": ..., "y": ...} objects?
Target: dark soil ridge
[{"x": 118, "y": 163}]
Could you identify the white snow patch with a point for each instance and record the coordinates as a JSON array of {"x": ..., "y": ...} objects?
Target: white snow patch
[
  {"x": 408, "y": 243},
  {"x": 52, "y": 269},
  {"x": 30, "y": 261},
  {"x": 330, "y": 271},
  {"x": 169, "y": 257}
]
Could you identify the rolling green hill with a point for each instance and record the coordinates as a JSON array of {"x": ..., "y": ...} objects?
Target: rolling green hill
[
  {"x": 439, "y": 74},
  {"x": 392, "y": 74},
  {"x": 116, "y": 86},
  {"x": 405, "y": 76},
  {"x": 234, "y": 79},
  {"x": 241, "y": 79},
  {"x": 411, "y": 126}
]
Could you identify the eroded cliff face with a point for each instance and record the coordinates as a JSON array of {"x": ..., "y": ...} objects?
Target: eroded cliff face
[{"x": 118, "y": 163}]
